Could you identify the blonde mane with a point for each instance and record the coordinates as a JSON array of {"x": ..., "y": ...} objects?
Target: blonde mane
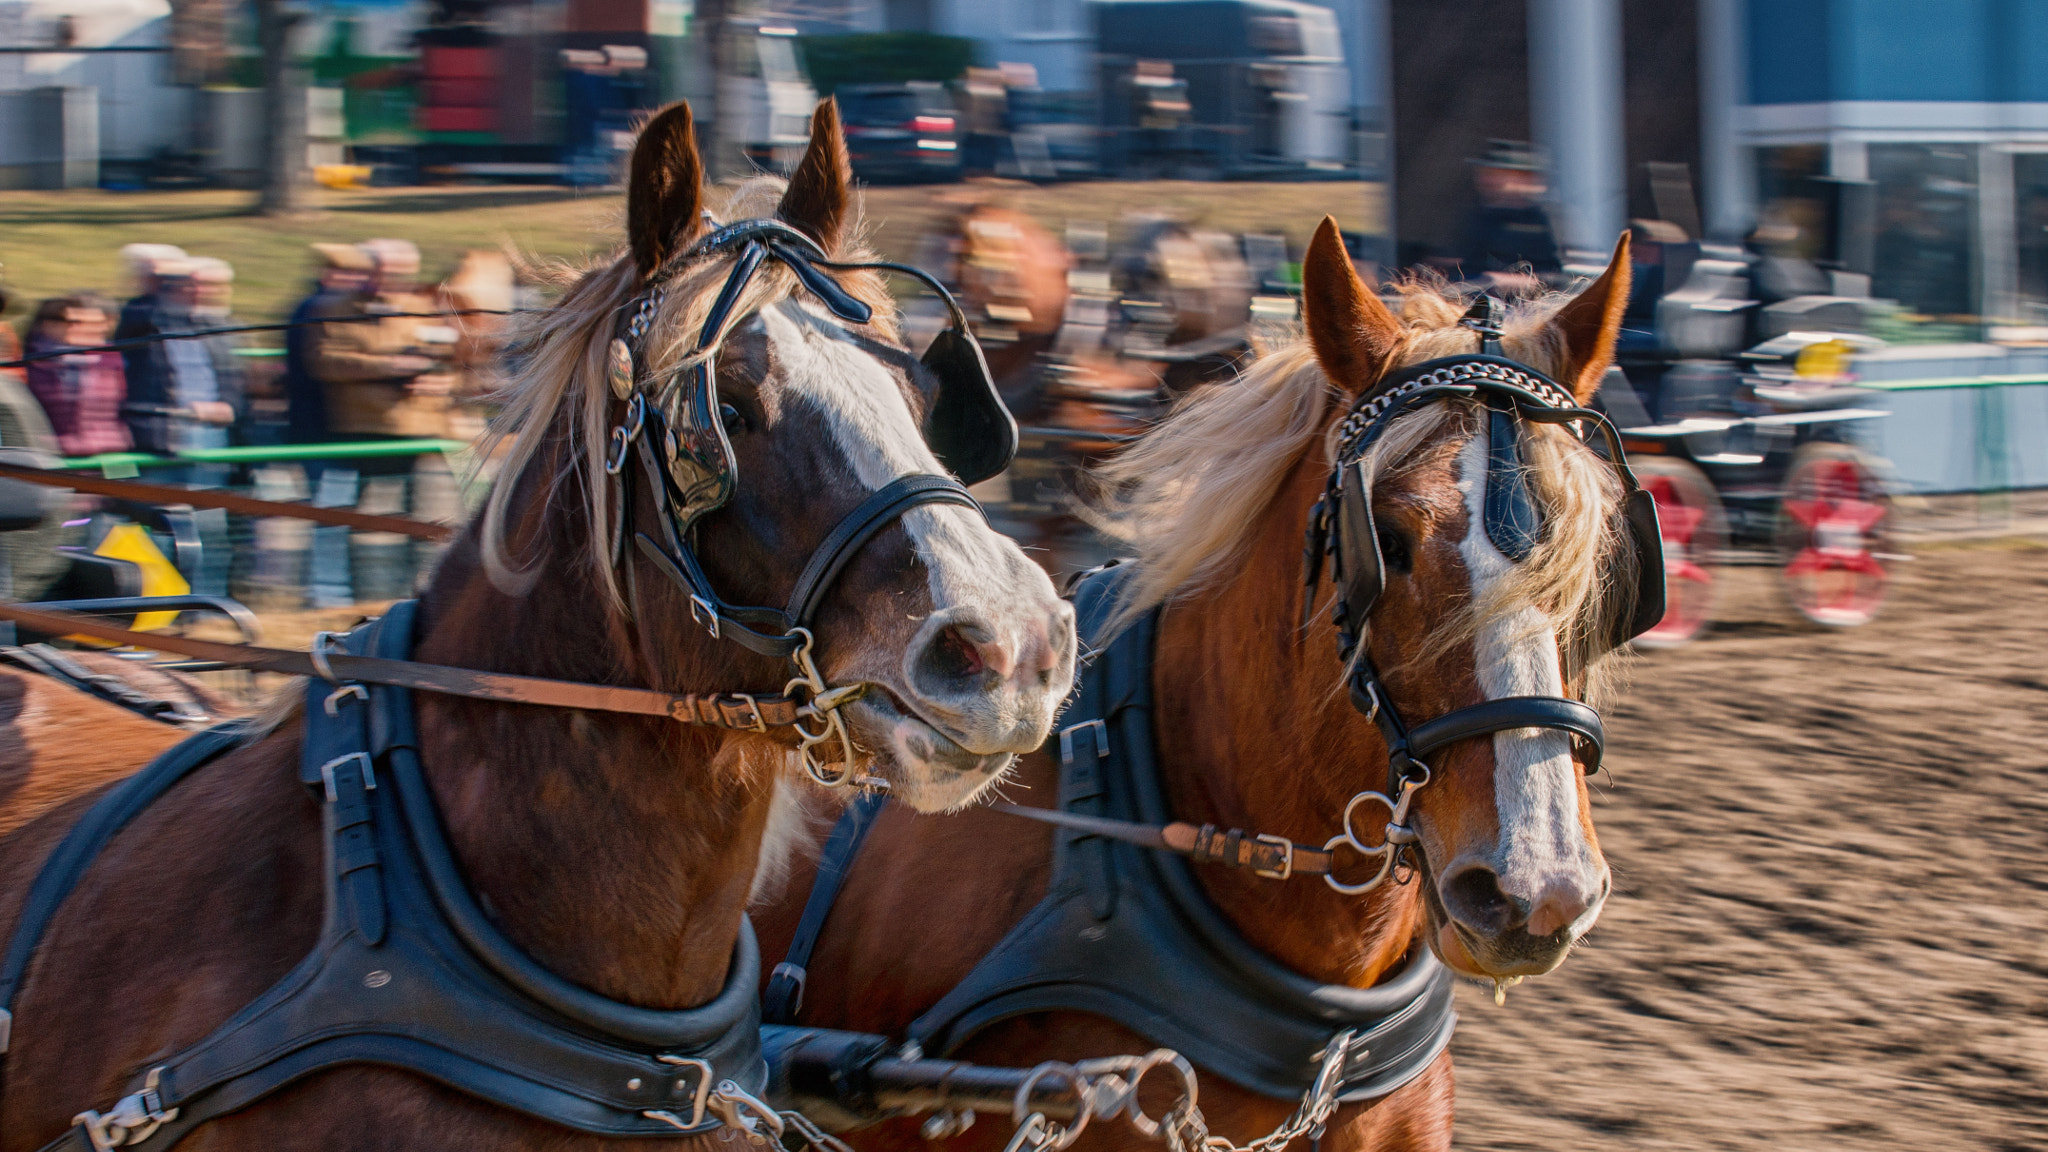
[
  {"x": 558, "y": 385},
  {"x": 1186, "y": 496}
]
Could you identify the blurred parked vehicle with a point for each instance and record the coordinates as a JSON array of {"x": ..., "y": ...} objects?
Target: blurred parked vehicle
[
  {"x": 905, "y": 132},
  {"x": 1233, "y": 88},
  {"x": 764, "y": 95}
]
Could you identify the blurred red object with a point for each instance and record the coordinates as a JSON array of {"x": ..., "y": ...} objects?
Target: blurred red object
[{"x": 458, "y": 119}]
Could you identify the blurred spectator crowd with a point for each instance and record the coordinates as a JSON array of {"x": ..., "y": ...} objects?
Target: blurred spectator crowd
[{"x": 369, "y": 357}]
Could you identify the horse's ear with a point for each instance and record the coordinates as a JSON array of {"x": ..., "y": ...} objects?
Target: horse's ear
[
  {"x": 665, "y": 189},
  {"x": 1354, "y": 335},
  {"x": 821, "y": 187},
  {"x": 1590, "y": 324}
]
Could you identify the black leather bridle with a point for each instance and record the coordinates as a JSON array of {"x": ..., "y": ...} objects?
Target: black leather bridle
[
  {"x": 1341, "y": 528},
  {"x": 968, "y": 428}
]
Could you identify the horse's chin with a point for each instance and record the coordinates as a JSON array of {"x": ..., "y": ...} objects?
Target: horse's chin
[{"x": 925, "y": 768}]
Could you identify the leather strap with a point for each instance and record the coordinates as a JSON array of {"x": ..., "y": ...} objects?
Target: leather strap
[
  {"x": 784, "y": 997},
  {"x": 732, "y": 710},
  {"x": 144, "y": 493},
  {"x": 1555, "y": 713},
  {"x": 859, "y": 526}
]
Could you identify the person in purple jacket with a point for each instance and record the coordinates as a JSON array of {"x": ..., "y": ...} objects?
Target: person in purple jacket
[{"x": 81, "y": 393}]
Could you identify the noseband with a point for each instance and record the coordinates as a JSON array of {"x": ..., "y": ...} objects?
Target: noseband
[
  {"x": 1341, "y": 528},
  {"x": 695, "y": 474}
]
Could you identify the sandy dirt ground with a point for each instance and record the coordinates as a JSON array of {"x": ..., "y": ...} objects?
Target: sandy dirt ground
[{"x": 1828, "y": 923}]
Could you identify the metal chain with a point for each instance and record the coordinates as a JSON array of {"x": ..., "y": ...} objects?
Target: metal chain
[
  {"x": 1187, "y": 1131},
  {"x": 1369, "y": 413},
  {"x": 1109, "y": 1087}
]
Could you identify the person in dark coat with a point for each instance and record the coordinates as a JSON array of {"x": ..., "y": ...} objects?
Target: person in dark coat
[
  {"x": 345, "y": 269},
  {"x": 1508, "y": 235},
  {"x": 177, "y": 400}
]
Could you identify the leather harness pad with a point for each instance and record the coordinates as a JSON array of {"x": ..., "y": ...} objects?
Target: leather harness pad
[
  {"x": 409, "y": 973},
  {"x": 1127, "y": 933}
]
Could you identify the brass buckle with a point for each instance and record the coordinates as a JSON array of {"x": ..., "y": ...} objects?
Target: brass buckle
[{"x": 1286, "y": 848}]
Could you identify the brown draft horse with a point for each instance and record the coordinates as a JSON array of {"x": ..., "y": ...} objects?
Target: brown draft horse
[
  {"x": 619, "y": 852},
  {"x": 1251, "y": 730}
]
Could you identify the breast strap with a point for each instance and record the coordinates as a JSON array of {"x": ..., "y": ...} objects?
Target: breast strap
[
  {"x": 1127, "y": 933},
  {"x": 409, "y": 973}
]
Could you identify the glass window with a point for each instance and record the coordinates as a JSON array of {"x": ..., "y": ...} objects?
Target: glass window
[
  {"x": 1926, "y": 219},
  {"x": 2030, "y": 203}
]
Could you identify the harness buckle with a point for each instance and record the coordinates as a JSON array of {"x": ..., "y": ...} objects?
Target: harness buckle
[
  {"x": 703, "y": 613},
  {"x": 796, "y": 975},
  {"x": 749, "y": 719},
  {"x": 699, "y": 1098},
  {"x": 133, "y": 1118},
  {"x": 335, "y": 697},
  {"x": 1101, "y": 740},
  {"x": 327, "y": 774},
  {"x": 318, "y": 654},
  {"x": 1286, "y": 848}
]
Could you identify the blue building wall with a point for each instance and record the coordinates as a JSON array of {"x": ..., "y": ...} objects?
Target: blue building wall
[{"x": 1810, "y": 51}]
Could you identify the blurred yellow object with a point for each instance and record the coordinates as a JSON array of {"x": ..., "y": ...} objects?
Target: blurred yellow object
[
  {"x": 1828, "y": 360},
  {"x": 342, "y": 175},
  {"x": 160, "y": 577}
]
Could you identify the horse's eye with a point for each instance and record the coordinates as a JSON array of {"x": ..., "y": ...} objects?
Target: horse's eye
[
  {"x": 1394, "y": 552},
  {"x": 734, "y": 422}
]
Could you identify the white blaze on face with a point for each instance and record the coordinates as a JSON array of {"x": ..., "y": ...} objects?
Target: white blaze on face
[
  {"x": 965, "y": 730},
  {"x": 1535, "y": 783},
  {"x": 873, "y": 425}
]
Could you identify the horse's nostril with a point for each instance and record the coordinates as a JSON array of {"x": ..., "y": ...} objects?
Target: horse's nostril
[
  {"x": 1474, "y": 898},
  {"x": 955, "y": 657}
]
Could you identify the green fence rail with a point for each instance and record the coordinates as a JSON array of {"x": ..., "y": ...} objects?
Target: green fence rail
[{"x": 117, "y": 464}]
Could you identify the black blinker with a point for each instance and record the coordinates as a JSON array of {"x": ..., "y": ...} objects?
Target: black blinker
[
  {"x": 968, "y": 428},
  {"x": 1361, "y": 572},
  {"x": 1512, "y": 521},
  {"x": 1639, "y": 510}
]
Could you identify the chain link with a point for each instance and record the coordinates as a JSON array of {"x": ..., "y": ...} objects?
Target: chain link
[
  {"x": 1187, "y": 1131},
  {"x": 1109, "y": 1087},
  {"x": 1368, "y": 414}
]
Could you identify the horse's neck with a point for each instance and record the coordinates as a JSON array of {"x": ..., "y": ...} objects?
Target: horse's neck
[
  {"x": 1252, "y": 735},
  {"x": 617, "y": 850}
]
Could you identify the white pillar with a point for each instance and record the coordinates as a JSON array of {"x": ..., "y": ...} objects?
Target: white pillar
[
  {"x": 1728, "y": 170},
  {"x": 1997, "y": 235},
  {"x": 1575, "y": 110}
]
